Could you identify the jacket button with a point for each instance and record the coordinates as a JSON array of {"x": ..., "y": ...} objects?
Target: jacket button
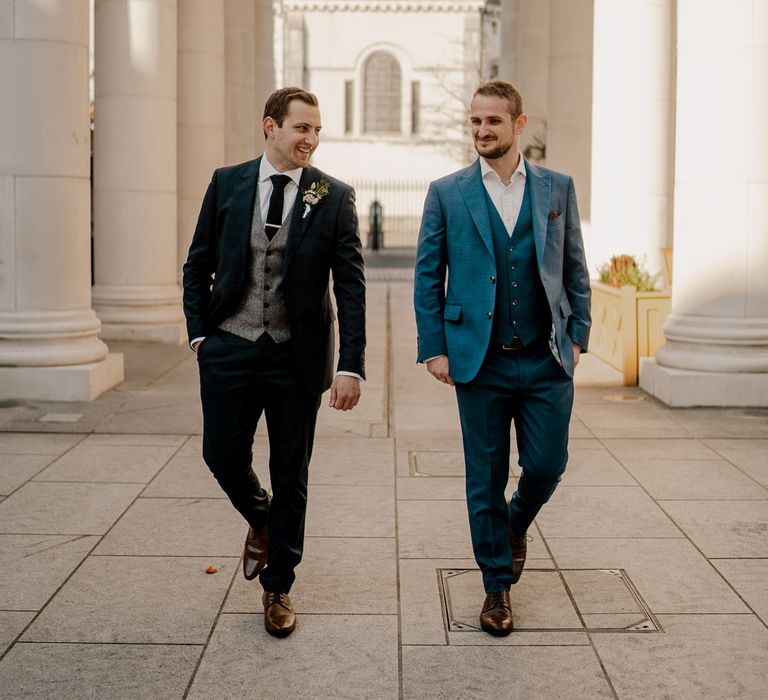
[
  {"x": 514, "y": 284},
  {"x": 489, "y": 315},
  {"x": 514, "y": 302},
  {"x": 493, "y": 279}
]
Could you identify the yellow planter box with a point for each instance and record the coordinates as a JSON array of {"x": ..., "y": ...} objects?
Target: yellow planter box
[{"x": 627, "y": 325}]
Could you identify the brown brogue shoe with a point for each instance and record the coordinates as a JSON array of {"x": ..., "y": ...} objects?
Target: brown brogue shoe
[
  {"x": 496, "y": 616},
  {"x": 255, "y": 552},
  {"x": 519, "y": 545},
  {"x": 279, "y": 618}
]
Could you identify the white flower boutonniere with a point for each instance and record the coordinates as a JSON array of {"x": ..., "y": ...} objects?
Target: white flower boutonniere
[{"x": 313, "y": 194}]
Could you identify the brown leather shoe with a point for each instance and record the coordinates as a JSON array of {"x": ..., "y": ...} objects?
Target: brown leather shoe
[
  {"x": 519, "y": 545},
  {"x": 255, "y": 552},
  {"x": 279, "y": 618},
  {"x": 496, "y": 616}
]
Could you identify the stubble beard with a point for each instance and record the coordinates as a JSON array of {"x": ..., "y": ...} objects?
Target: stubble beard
[{"x": 498, "y": 152}]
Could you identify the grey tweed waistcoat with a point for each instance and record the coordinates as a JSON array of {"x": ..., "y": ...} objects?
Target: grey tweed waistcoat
[{"x": 263, "y": 308}]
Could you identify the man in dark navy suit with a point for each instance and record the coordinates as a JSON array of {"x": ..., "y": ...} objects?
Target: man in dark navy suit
[{"x": 271, "y": 232}]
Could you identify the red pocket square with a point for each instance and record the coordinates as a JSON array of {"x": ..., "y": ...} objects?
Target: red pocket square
[{"x": 553, "y": 215}]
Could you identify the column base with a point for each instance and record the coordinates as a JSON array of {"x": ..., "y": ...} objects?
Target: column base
[
  {"x": 686, "y": 388},
  {"x": 173, "y": 333},
  {"x": 62, "y": 383}
]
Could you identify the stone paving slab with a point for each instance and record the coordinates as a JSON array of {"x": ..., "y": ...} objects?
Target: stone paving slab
[
  {"x": 338, "y": 656},
  {"x": 34, "y": 566},
  {"x": 108, "y": 463},
  {"x": 337, "y": 575},
  {"x": 671, "y": 575},
  {"x": 748, "y": 577},
  {"x": 697, "y": 479},
  {"x": 18, "y": 469},
  {"x": 136, "y": 600},
  {"x": 715, "y": 656},
  {"x": 604, "y": 511},
  {"x": 11, "y": 625},
  {"x": 488, "y": 671},
  {"x": 65, "y": 508},
  {"x": 97, "y": 671},
  {"x": 723, "y": 528},
  {"x": 192, "y": 527}
]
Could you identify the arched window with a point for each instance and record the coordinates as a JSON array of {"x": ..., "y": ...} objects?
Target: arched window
[{"x": 381, "y": 94}]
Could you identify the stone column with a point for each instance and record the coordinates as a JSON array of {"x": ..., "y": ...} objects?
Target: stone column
[
  {"x": 136, "y": 294},
  {"x": 632, "y": 129},
  {"x": 569, "y": 123},
  {"x": 717, "y": 335},
  {"x": 48, "y": 344},
  {"x": 250, "y": 75},
  {"x": 509, "y": 27},
  {"x": 200, "y": 135},
  {"x": 264, "y": 62}
]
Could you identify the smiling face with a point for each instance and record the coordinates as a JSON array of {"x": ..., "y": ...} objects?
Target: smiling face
[
  {"x": 495, "y": 131},
  {"x": 290, "y": 144}
]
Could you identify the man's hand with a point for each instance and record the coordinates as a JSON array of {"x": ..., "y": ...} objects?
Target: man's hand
[
  {"x": 345, "y": 392},
  {"x": 439, "y": 369},
  {"x": 576, "y": 354},
  {"x": 196, "y": 345}
]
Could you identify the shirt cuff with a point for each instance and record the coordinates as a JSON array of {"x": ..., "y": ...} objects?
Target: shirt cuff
[
  {"x": 194, "y": 340},
  {"x": 349, "y": 374}
]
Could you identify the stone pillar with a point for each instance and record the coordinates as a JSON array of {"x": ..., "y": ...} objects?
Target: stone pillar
[
  {"x": 48, "y": 344},
  {"x": 509, "y": 27},
  {"x": 717, "y": 335},
  {"x": 136, "y": 293},
  {"x": 264, "y": 62},
  {"x": 569, "y": 123},
  {"x": 632, "y": 129},
  {"x": 200, "y": 135},
  {"x": 533, "y": 74},
  {"x": 250, "y": 75}
]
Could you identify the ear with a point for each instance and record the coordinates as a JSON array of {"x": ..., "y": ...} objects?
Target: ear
[
  {"x": 520, "y": 123},
  {"x": 269, "y": 125}
]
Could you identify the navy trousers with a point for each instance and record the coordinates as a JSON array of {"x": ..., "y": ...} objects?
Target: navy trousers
[
  {"x": 240, "y": 380},
  {"x": 530, "y": 389}
]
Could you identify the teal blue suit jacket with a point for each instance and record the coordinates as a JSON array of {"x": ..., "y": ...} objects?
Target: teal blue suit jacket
[{"x": 455, "y": 242}]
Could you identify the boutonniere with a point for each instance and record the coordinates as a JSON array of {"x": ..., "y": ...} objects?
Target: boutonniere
[{"x": 312, "y": 195}]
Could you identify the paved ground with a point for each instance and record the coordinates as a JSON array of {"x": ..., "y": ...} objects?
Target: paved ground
[{"x": 646, "y": 575}]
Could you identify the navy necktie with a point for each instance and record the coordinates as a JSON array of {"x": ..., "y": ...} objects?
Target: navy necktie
[{"x": 275, "y": 213}]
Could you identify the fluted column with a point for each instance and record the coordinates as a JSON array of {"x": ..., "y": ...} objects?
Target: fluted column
[
  {"x": 201, "y": 108},
  {"x": 264, "y": 62},
  {"x": 136, "y": 294},
  {"x": 48, "y": 332},
  {"x": 631, "y": 130},
  {"x": 717, "y": 335},
  {"x": 569, "y": 103}
]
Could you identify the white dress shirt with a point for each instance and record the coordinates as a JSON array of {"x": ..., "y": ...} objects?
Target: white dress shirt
[
  {"x": 506, "y": 198},
  {"x": 266, "y": 170}
]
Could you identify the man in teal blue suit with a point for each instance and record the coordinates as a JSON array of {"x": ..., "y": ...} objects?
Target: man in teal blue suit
[{"x": 506, "y": 330}]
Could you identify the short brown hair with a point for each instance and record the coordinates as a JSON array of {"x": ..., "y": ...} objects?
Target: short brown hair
[
  {"x": 505, "y": 90},
  {"x": 279, "y": 102}
]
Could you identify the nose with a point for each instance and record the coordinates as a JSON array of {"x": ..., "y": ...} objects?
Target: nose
[{"x": 312, "y": 139}]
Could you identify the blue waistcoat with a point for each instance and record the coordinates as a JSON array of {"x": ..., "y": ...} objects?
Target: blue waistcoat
[{"x": 521, "y": 304}]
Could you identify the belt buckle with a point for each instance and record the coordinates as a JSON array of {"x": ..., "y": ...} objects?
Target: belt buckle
[{"x": 514, "y": 345}]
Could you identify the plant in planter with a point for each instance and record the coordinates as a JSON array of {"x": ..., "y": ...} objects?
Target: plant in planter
[
  {"x": 624, "y": 270},
  {"x": 628, "y": 314}
]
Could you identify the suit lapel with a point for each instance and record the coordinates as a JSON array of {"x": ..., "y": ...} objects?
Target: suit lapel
[
  {"x": 298, "y": 226},
  {"x": 243, "y": 202},
  {"x": 539, "y": 183},
  {"x": 472, "y": 189}
]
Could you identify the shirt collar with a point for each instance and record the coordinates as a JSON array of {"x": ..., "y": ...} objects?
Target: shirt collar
[
  {"x": 487, "y": 171},
  {"x": 266, "y": 170}
]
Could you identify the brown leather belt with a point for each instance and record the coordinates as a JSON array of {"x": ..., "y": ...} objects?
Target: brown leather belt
[{"x": 515, "y": 345}]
